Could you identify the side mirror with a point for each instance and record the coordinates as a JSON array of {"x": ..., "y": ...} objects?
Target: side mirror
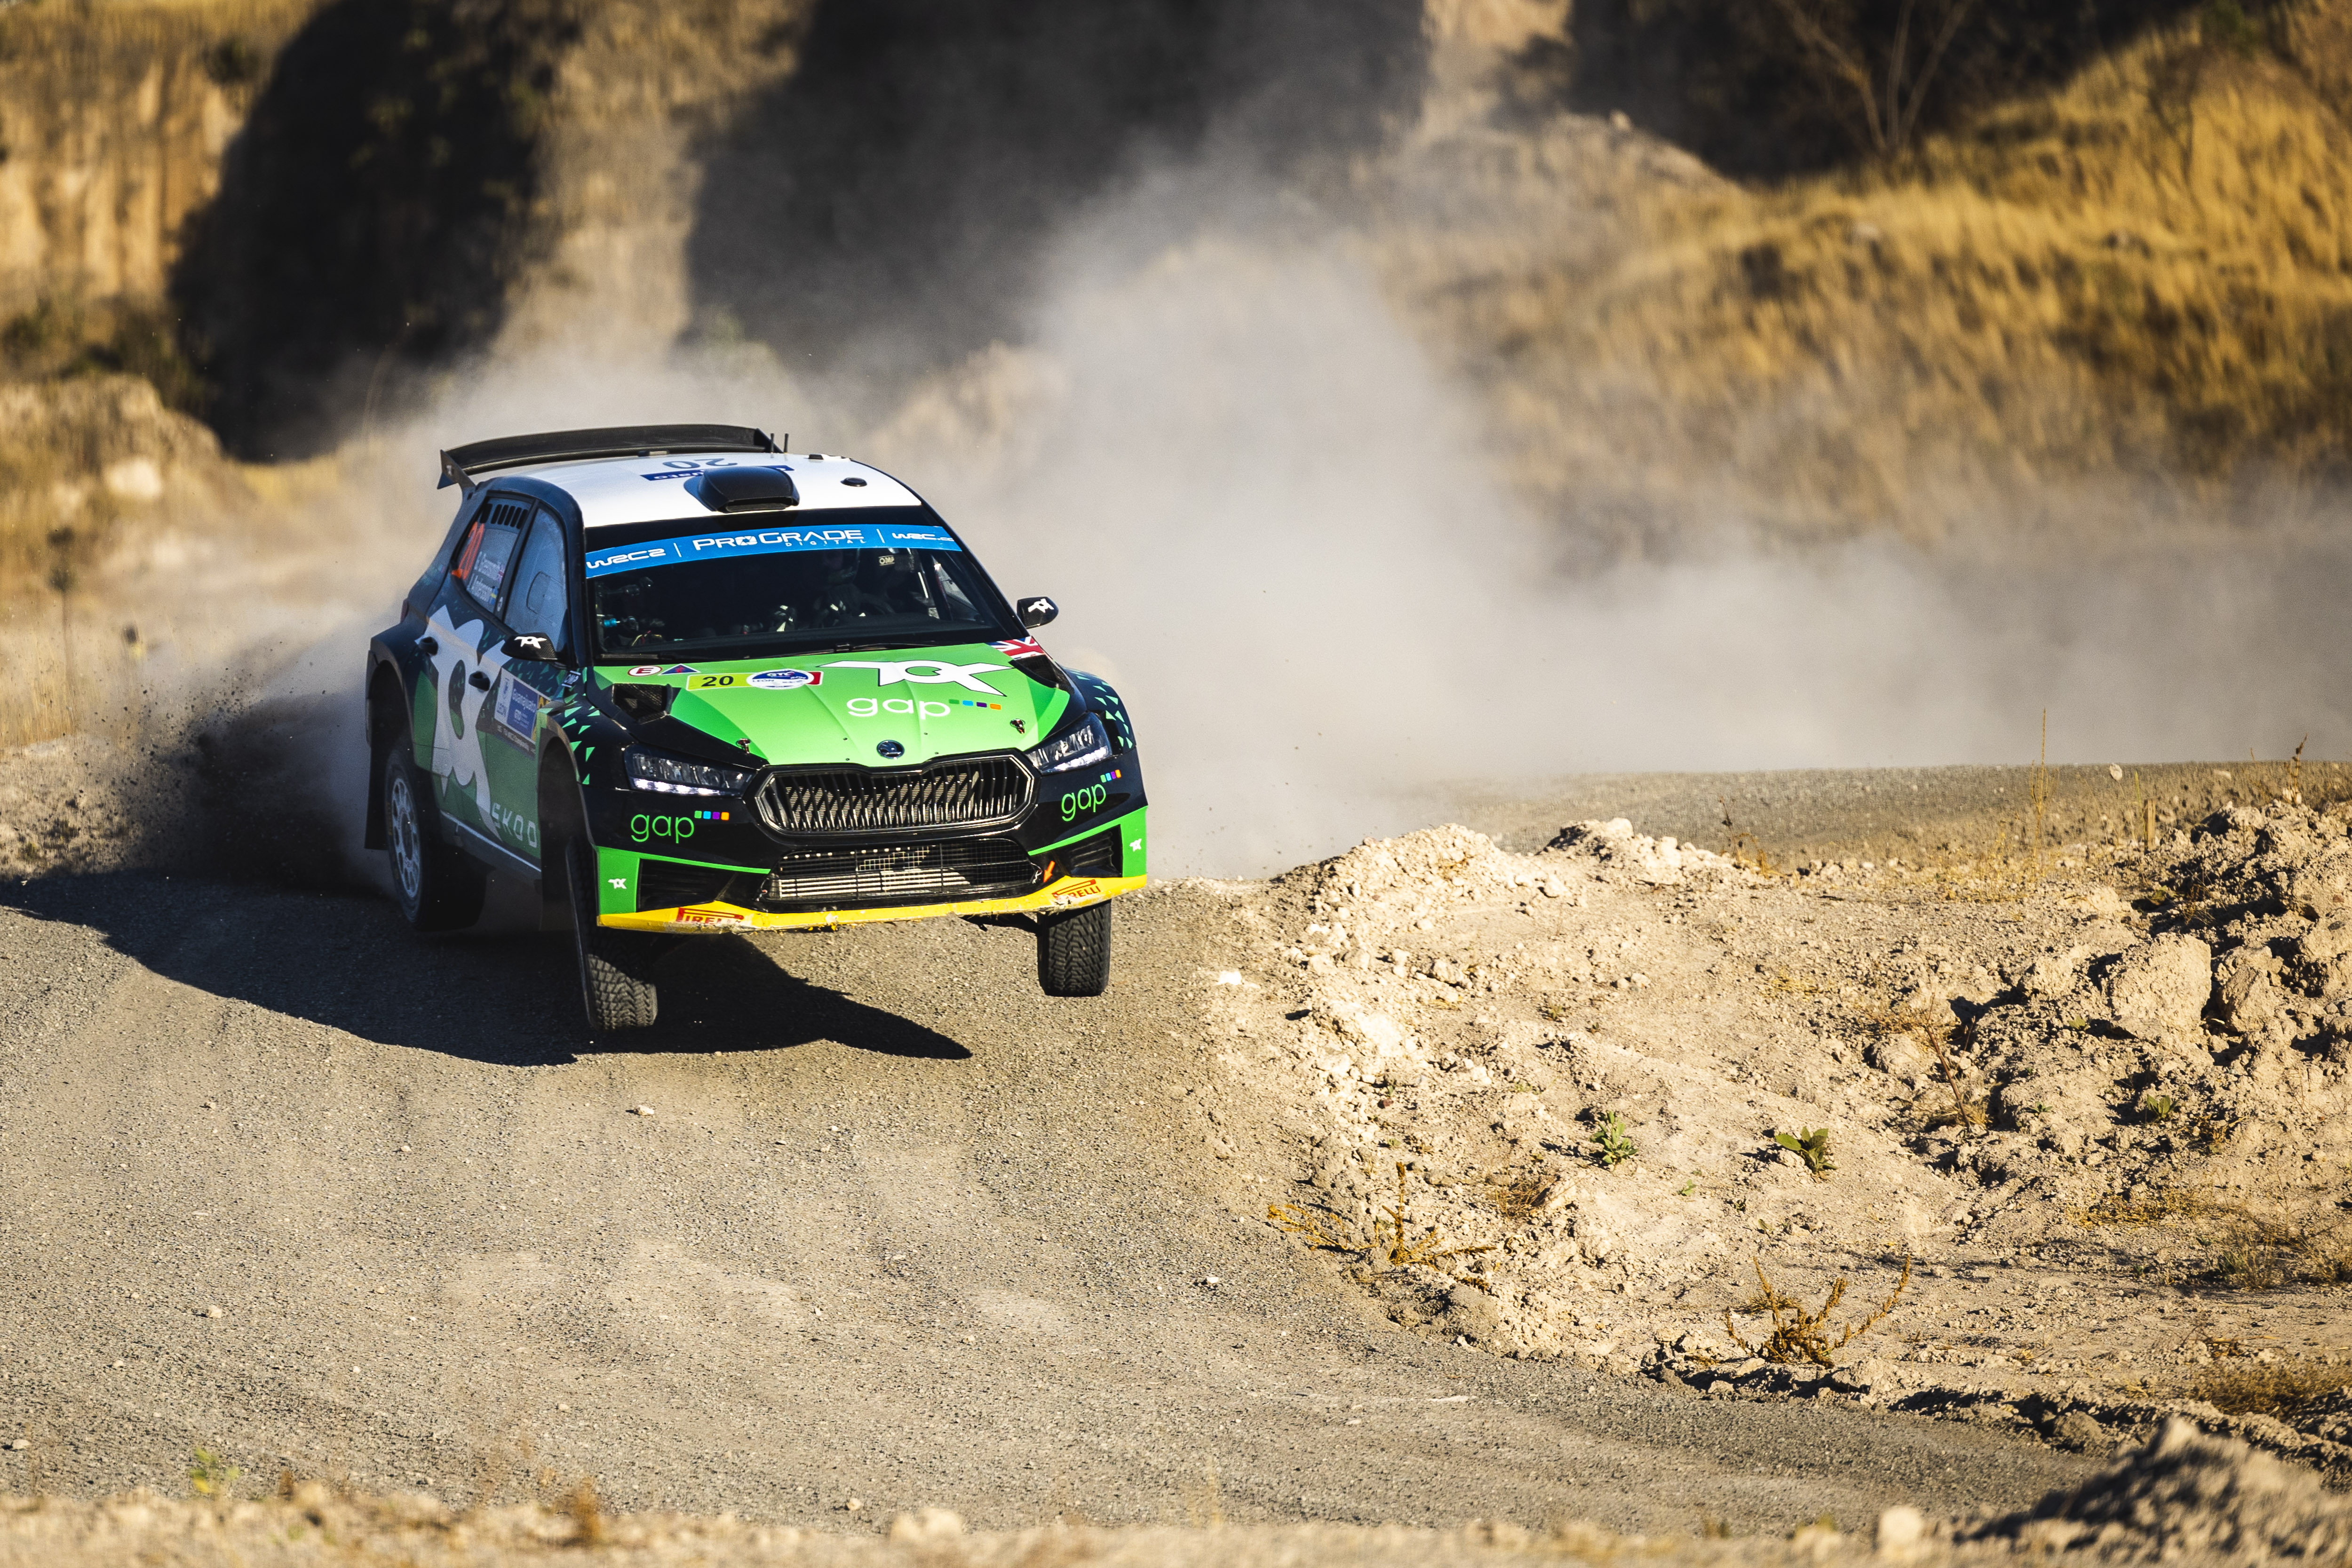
[
  {"x": 533, "y": 645},
  {"x": 1035, "y": 613}
]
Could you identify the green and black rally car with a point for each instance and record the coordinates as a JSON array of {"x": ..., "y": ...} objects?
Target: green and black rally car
[{"x": 687, "y": 681}]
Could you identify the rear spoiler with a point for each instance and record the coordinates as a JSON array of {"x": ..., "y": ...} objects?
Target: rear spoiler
[{"x": 464, "y": 465}]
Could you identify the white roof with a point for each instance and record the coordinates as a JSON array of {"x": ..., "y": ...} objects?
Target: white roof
[{"x": 652, "y": 489}]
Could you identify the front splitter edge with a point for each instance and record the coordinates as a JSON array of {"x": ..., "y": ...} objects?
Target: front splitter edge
[{"x": 1062, "y": 893}]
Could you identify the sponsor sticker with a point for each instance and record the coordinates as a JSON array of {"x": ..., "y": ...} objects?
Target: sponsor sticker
[
  {"x": 906, "y": 707},
  {"x": 678, "y": 669},
  {"x": 518, "y": 709},
  {"x": 785, "y": 679},
  {"x": 704, "y": 915},
  {"x": 644, "y": 669},
  {"x": 1019, "y": 648},
  {"x": 678, "y": 828},
  {"x": 687, "y": 468},
  {"x": 923, "y": 672},
  {"x": 762, "y": 542}
]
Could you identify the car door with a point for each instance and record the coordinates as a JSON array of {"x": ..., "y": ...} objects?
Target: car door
[
  {"x": 537, "y": 598},
  {"x": 465, "y": 663}
]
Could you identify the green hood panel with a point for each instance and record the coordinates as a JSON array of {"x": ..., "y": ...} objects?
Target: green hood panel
[{"x": 933, "y": 701}]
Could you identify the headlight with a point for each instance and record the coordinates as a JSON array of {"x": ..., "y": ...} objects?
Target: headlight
[
  {"x": 675, "y": 775},
  {"x": 1073, "y": 749}
]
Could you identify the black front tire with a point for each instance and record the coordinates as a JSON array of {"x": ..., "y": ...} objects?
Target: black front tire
[
  {"x": 438, "y": 887},
  {"x": 1073, "y": 952},
  {"x": 615, "y": 985}
]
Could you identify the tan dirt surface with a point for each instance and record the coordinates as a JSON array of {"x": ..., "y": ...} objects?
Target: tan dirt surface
[
  {"x": 2181, "y": 1499},
  {"x": 896, "y": 1228}
]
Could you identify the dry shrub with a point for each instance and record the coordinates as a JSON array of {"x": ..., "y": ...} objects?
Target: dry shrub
[
  {"x": 1392, "y": 1239},
  {"x": 1800, "y": 1335},
  {"x": 2285, "y": 1389},
  {"x": 1518, "y": 1193}
]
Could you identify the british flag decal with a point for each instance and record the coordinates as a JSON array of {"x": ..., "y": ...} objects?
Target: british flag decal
[{"x": 1019, "y": 648}]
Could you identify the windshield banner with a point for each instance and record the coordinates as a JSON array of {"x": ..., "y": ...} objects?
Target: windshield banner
[{"x": 764, "y": 541}]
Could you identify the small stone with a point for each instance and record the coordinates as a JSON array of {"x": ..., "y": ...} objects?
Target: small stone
[
  {"x": 1900, "y": 1532},
  {"x": 1224, "y": 977},
  {"x": 209, "y": 1311},
  {"x": 18, "y": 1446},
  {"x": 2078, "y": 1431},
  {"x": 406, "y": 1150},
  {"x": 851, "y": 1505},
  {"x": 642, "y": 1110},
  {"x": 2160, "y": 990},
  {"x": 926, "y": 1524}
]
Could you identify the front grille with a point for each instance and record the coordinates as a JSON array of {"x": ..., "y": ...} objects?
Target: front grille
[
  {"x": 952, "y": 872},
  {"x": 978, "y": 792},
  {"x": 671, "y": 884}
]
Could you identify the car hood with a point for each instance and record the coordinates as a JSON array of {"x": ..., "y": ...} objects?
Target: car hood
[{"x": 845, "y": 708}]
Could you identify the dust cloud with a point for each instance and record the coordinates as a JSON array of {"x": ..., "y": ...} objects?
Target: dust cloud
[{"x": 1275, "y": 527}]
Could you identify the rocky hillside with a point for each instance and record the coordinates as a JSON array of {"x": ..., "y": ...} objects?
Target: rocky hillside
[{"x": 2112, "y": 287}]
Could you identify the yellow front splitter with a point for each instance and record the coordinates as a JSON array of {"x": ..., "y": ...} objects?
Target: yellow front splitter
[{"x": 1062, "y": 893}]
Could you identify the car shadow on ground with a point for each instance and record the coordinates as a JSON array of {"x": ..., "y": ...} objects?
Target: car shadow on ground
[{"x": 349, "y": 963}]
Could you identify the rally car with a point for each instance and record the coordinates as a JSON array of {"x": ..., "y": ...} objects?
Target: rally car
[{"x": 686, "y": 681}]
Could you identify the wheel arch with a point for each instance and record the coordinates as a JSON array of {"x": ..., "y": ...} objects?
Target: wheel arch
[
  {"x": 387, "y": 720},
  {"x": 563, "y": 816}
]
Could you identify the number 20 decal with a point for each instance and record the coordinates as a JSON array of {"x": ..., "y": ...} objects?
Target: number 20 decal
[{"x": 1087, "y": 799}]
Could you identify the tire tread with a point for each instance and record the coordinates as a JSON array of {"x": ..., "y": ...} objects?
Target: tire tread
[{"x": 1073, "y": 952}]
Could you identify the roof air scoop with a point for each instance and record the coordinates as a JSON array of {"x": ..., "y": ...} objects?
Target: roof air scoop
[{"x": 743, "y": 489}]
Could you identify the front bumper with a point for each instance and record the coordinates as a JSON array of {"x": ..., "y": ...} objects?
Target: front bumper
[
  {"x": 1062, "y": 893},
  {"x": 1105, "y": 857}
]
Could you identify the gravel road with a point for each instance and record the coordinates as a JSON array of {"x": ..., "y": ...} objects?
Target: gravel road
[{"x": 283, "y": 1181}]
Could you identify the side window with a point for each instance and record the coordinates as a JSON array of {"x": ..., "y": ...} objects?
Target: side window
[
  {"x": 539, "y": 600},
  {"x": 489, "y": 547}
]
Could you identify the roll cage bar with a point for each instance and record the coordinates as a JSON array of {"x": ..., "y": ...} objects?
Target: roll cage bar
[{"x": 463, "y": 465}]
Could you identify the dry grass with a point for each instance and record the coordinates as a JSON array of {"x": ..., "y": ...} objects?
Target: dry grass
[
  {"x": 2151, "y": 266},
  {"x": 2285, "y": 1389},
  {"x": 2245, "y": 1248},
  {"x": 1518, "y": 1193},
  {"x": 1950, "y": 1104}
]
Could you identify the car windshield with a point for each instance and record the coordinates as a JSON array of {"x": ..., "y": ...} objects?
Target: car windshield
[{"x": 754, "y": 586}]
